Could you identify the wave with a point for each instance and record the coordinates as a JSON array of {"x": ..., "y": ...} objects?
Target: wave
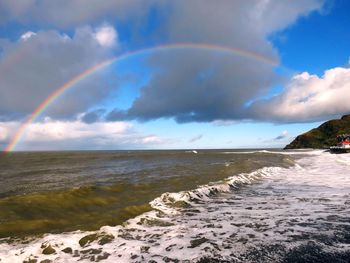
[
  {"x": 250, "y": 152},
  {"x": 169, "y": 203},
  {"x": 282, "y": 152}
]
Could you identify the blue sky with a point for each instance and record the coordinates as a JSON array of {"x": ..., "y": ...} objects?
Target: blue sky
[
  {"x": 317, "y": 42},
  {"x": 183, "y": 98}
]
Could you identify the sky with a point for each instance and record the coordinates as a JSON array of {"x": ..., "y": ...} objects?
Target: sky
[{"x": 161, "y": 74}]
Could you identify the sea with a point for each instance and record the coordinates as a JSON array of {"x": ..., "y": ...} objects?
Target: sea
[{"x": 175, "y": 206}]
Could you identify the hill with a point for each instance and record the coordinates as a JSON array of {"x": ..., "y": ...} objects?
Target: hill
[{"x": 323, "y": 136}]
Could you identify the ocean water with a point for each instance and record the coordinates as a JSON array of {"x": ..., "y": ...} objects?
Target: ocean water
[{"x": 175, "y": 206}]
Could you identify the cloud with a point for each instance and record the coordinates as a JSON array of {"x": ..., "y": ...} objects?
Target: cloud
[
  {"x": 4, "y": 134},
  {"x": 117, "y": 114},
  {"x": 67, "y": 13},
  {"x": 206, "y": 86},
  {"x": 151, "y": 139},
  {"x": 106, "y": 36},
  {"x": 283, "y": 135},
  {"x": 27, "y": 35},
  {"x": 92, "y": 116},
  {"x": 195, "y": 138},
  {"x": 53, "y": 134},
  {"x": 222, "y": 123},
  {"x": 38, "y": 63},
  {"x": 308, "y": 98}
]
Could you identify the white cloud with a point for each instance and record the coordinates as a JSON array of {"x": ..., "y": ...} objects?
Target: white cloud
[
  {"x": 27, "y": 35},
  {"x": 52, "y": 134},
  {"x": 106, "y": 36},
  {"x": 63, "y": 130},
  {"x": 310, "y": 97},
  {"x": 3, "y": 133},
  {"x": 7, "y": 130},
  {"x": 151, "y": 139}
]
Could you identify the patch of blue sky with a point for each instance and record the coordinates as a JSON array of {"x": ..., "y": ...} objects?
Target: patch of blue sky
[
  {"x": 13, "y": 31},
  {"x": 146, "y": 33},
  {"x": 128, "y": 77},
  {"x": 150, "y": 28},
  {"x": 317, "y": 42},
  {"x": 272, "y": 92}
]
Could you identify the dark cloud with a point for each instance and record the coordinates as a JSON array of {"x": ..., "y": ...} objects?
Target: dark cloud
[
  {"x": 67, "y": 13},
  {"x": 207, "y": 86},
  {"x": 33, "y": 67},
  {"x": 199, "y": 86},
  {"x": 280, "y": 137},
  {"x": 116, "y": 114},
  {"x": 283, "y": 135},
  {"x": 93, "y": 116},
  {"x": 195, "y": 138}
]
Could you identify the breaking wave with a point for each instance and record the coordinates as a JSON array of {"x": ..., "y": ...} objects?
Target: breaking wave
[{"x": 169, "y": 203}]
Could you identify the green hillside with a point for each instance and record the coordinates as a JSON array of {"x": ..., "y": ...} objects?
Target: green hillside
[{"x": 323, "y": 136}]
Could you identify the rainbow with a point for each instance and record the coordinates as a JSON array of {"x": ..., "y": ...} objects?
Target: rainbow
[{"x": 72, "y": 82}]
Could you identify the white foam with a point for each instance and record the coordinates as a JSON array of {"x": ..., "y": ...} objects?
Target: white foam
[
  {"x": 285, "y": 152},
  {"x": 166, "y": 201}
]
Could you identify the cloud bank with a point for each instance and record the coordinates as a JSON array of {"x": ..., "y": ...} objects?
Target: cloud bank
[{"x": 74, "y": 135}]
